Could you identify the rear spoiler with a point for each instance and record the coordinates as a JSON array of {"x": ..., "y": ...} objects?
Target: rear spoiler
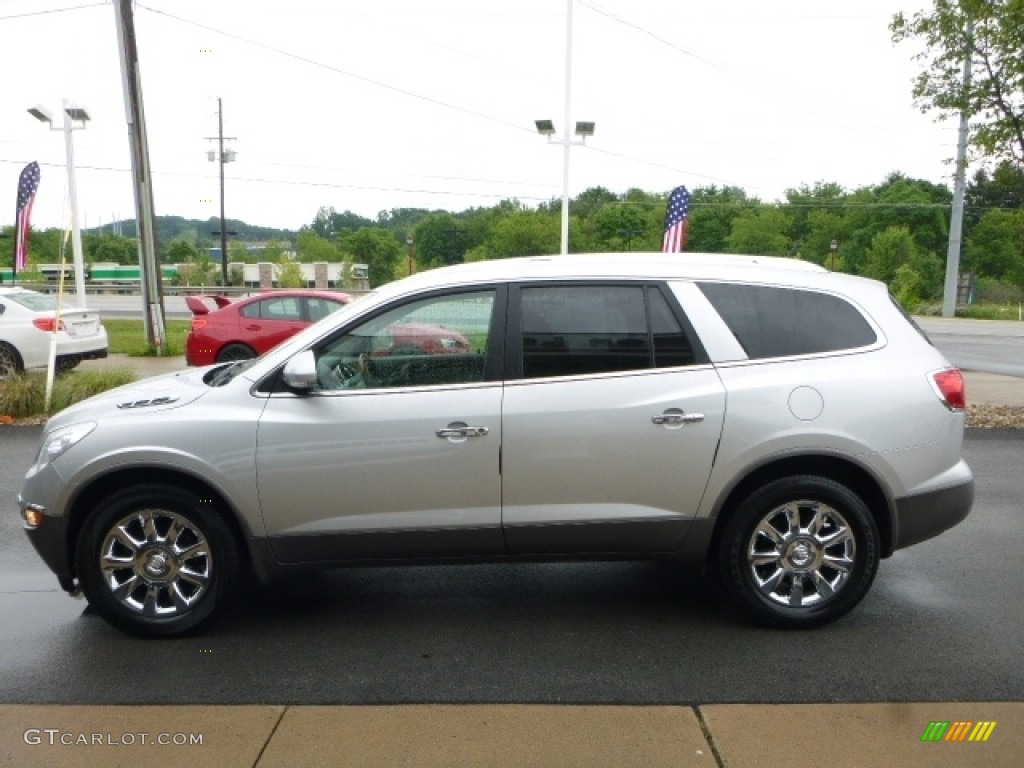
[{"x": 195, "y": 303}]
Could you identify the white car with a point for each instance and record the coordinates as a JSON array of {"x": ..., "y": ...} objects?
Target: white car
[
  {"x": 26, "y": 325},
  {"x": 785, "y": 425}
]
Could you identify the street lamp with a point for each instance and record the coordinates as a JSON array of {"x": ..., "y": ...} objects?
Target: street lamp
[
  {"x": 833, "y": 247},
  {"x": 72, "y": 114},
  {"x": 583, "y": 130}
]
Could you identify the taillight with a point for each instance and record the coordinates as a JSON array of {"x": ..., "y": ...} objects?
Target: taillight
[
  {"x": 46, "y": 324},
  {"x": 198, "y": 323},
  {"x": 949, "y": 384}
]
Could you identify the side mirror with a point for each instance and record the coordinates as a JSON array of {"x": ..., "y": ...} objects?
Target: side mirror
[{"x": 299, "y": 373}]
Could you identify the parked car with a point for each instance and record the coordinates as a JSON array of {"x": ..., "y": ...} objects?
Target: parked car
[
  {"x": 27, "y": 320},
  {"x": 786, "y": 426},
  {"x": 248, "y": 327}
]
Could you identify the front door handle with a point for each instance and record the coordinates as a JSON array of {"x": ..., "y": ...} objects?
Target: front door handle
[
  {"x": 457, "y": 431},
  {"x": 676, "y": 417}
]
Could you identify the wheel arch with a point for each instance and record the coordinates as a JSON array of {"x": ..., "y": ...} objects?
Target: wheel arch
[
  {"x": 107, "y": 484},
  {"x": 841, "y": 470}
]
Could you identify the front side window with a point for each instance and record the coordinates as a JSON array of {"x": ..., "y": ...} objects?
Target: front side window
[
  {"x": 436, "y": 341},
  {"x": 587, "y": 329},
  {"x": 319, "y": 308}
]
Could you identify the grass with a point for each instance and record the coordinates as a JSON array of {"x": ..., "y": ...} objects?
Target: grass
[
  {"x": 128, "y": 337},
  {"x": 990, "y": 311},
  {"x": 23, "y": 395}
]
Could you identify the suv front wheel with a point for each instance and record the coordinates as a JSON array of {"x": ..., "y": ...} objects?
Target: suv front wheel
[
  {"x": 156, "y": 560},
  {"x": 799, "y": 552}
]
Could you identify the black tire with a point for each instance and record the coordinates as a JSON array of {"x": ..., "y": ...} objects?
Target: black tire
[
  {"x": 170, "y": 560},
  {"x": 799, "y": 552},
  {"x": 68, "y": 363},
  {"x": 10, "y": 360},
  {"x": 232, "y": 352}
]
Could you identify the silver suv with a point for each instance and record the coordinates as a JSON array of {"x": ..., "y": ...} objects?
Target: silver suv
[{"x": 787, "y": 425}]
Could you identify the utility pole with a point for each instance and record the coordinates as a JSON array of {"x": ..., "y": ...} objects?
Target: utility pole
[
  {"x": 956, "y": 222},
  {"x": 222, "y": 158},
  {"x": 149, "y": 262}
]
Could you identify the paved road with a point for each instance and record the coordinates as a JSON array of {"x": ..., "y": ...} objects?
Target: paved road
[
  {"x": 942, "y": 623},
  {"x": 992, "y": 346}
]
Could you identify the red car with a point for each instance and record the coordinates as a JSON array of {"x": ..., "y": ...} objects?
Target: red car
[{"x": 238, "y": 330}]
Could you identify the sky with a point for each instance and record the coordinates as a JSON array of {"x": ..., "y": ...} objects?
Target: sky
[{"x": 370, "y": 106}]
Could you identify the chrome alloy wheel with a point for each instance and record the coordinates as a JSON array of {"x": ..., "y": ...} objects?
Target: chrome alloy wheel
[
  {"x": 801, "y": 554},
  {"x": 156, "y": 562}
]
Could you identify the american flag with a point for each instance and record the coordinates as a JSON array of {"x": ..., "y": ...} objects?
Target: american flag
[
  {"x": 27, "y": 186},
  {"x": 675, "y": 221}
]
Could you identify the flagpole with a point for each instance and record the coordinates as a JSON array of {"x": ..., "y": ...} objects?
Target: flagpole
[{"x": 14, "y": 251}]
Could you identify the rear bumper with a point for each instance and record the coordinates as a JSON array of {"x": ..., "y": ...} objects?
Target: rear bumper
[
  {"x": 92, "y": 354},
  {"x": 925, "y": 515}
]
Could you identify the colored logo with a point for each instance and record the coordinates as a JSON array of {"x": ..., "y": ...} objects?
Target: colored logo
[{"x": 958, "y": 730}]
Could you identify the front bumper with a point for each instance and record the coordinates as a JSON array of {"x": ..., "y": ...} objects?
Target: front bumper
[
  {"x": 50, "y": 540},
  {"x": 925, "y": 515}
]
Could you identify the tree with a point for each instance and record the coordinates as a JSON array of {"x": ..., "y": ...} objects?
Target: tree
[
  {"x": 310, "y": 247},
  {"x": 110, "y": 248},
  {"x": 890, "y": 250},
  {"x": 1002, "y": 188},
  {"x": 288, "y": 273},
  {"x": 179, "y": 251},
  {"x": 525, "y": 233},
  {"x": 622, "y": 227},
  {"x": 995, "y": 247},
  {"x": 377, "y": 249},
  {"x": 712, "y": 211},
  {"x": 440, "y": 240},
  {"x": 761, "y": 231},
  {"x": 994, "y": 99}
]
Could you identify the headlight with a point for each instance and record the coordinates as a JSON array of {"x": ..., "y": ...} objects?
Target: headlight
[{"x": 57, "y": 442}]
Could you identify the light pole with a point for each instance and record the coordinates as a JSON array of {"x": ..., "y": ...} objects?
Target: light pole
[
  {"x": 833, "y": 247},
  {"x": 583, "y": 130},
  {"x": 547, "y": 128},
  {"x": 72, "y": 114}
]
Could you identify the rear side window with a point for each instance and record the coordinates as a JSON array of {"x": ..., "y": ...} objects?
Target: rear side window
[
  {"x": 781, "y": 322},
  {"x": 587, "y": 329}
]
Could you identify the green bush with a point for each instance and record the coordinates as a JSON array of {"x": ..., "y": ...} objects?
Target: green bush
[{"x": 24, "y": 395}]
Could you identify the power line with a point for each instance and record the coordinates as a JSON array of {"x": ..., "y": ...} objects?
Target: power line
[
  {"x": 50, "y": 11},
  {"x": 340, "y": 71}
]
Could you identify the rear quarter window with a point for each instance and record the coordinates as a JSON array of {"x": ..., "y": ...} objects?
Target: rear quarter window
[{"x": 782, "y": 322}]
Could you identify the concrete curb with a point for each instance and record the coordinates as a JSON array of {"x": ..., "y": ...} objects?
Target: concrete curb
[{"x": 718, "y": 735}]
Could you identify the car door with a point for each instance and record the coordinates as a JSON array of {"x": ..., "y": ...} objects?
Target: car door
[
  {"x": 395, "y": 453},
  {"x": 611, "y": 427}
]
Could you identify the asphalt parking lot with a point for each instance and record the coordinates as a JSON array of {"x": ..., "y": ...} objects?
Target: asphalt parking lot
[{"x": 483, "y": 667}]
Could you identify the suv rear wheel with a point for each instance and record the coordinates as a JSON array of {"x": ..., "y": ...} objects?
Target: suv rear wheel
[
  {"x": 156, "y": 560},
  {"x": 799, "y": 552}
]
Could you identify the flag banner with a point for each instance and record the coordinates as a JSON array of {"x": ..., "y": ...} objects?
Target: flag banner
[
  {"x": 27, "y": 186},
  {"x": 675, "y": 221}
]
